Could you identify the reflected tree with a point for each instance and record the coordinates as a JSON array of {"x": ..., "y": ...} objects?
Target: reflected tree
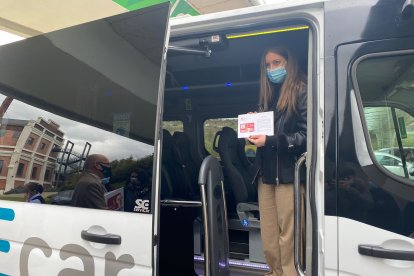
[{"x": 5, "y": 105}]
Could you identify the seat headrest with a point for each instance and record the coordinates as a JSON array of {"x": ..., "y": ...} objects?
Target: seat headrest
[
  {"x": 216, "y": 138},
  {"x": 181, "y": 140},
  {"x": 167, "y": 146},
  {"x": 228, "y": 138}
]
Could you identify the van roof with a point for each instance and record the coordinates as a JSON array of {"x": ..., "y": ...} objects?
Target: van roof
[{"x": 177, "y": 21}]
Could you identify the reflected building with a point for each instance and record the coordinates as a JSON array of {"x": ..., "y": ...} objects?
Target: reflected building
[{"x": 28, "y": 152}]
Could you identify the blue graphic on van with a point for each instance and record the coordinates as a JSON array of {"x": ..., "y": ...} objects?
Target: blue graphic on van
[
  {"x": 6, "y": 214},
  {"x": 4, "y": 246}
]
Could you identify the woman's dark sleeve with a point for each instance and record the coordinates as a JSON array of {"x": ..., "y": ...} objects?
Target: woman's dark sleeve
[{"x": 293, "y": 142}]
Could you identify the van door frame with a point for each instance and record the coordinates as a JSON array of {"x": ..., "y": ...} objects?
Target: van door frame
[
  {"x": 156, "y": 195},
  {"x": 313, "y": 16}
]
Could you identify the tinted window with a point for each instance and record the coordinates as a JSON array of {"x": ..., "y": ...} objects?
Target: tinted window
[
  {"x": 89, "y": 89},
  {"x": 386, "y": 87},
  {"x": 173, "y": 126},
  {"x": 378, "y": 194},
  {"x": 212, "y": 127}
]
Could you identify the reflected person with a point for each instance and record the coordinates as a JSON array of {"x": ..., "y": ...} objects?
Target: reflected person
[
  {"x": 33, "y": 193},
  {"x": 137, "y": 187},
  {"x": 89, "y": 191}
]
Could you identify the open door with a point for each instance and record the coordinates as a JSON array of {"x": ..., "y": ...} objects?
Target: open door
[{"x": 89, "y": 89}]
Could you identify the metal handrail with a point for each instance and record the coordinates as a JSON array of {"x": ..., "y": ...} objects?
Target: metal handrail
[{"x": 298, "y": 216}]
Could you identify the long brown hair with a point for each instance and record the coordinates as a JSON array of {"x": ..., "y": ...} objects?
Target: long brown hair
[{"x": 293, "y": 85}]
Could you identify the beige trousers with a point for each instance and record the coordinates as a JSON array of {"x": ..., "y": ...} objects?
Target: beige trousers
[{"x": 276, "y": 226}]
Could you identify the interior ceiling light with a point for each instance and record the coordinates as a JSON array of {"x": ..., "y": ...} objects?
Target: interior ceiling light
[{"x": 266, "y": 32}]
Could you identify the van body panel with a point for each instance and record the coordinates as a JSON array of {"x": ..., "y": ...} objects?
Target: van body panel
[
  {"x": 40, "y": 241},
  {"x": 378, "y": 214},
  {"x": 367, "y": 20},
  {"x": 353, "y": 233}
]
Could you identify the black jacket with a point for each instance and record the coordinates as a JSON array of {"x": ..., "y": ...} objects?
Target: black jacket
[{"x": 275, "y": 161}]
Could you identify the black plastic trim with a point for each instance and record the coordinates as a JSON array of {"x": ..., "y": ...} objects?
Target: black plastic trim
[
  {"x": 380, "y": 252},
  {"x": 105, "y": 239}
]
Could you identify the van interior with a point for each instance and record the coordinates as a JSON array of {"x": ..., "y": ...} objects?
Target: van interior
[
  {"x": 211, "y": 78},
  {"x": 202, "y": 100}
]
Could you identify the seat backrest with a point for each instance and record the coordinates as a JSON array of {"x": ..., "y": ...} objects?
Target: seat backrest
[
  {"x": 237, "y": 169},
  {"x": 188, "y": 170},
  {"x": 168, "y": 168}
]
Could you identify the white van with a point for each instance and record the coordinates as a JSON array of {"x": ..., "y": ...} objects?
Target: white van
[{"x": 156, "y": 97}]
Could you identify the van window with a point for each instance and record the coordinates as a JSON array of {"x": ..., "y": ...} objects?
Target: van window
[
  {"x": 212, "y": 127},
  {"x": 386, "y": 86},
  {"x": 96, "y": 96},
  {"x": 173, "y": 126},
  {"x": 61, "y": 171},
  {"x": 59, "y": 168}
]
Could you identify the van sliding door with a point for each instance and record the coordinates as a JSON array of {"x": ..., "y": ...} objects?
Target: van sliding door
[{"x": 89, "y": 89}]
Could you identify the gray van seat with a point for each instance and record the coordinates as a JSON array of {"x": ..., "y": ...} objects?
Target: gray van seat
[
  {"x": 188, "y": 172},
  {"x": 168, "y": 167},
  {"x": 176, "y": 218},
  {"x": 239, "y": 173},
  {"x": 178, "y": 173}
]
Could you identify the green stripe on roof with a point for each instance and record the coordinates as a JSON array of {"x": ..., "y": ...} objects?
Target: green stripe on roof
[{"x": 180, "y": 8}]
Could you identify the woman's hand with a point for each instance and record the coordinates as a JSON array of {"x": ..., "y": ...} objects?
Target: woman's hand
[{"x": 257, "y": 140}]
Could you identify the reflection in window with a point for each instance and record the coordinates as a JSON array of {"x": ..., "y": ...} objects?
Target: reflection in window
[
  {"x": 47, "y": 175},
  {"x": 34, "y": 173},
  {"x": 20, "y": 169},
  {"x": 386, "y": 87},
  {"x": 29, "y": 141},
  {"x": 212, "y": 127},
  {"x": 16, "y": 134},
  {"x": 173, "y": 126},
  {"x": 52, "y": 150}
]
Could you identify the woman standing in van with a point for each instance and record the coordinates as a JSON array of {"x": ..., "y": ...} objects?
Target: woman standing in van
[{"x": 283, "y": 91}]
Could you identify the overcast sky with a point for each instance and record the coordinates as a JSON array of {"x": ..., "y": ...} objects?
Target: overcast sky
[{"x": 112, "y": 145}]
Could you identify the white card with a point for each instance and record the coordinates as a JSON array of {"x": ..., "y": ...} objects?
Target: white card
[{"x": 255, "y": 124}]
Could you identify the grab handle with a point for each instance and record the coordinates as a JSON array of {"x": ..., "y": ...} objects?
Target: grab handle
[
  {"x": 298, "y": 216},
  {"x": 380, "y": 252},
  {"x": 105, "y": 239}
]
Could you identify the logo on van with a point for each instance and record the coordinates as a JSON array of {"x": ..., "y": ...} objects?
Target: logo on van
[
  {"x": 142, "y": 206},
  {"x": 113, "y": 265}
]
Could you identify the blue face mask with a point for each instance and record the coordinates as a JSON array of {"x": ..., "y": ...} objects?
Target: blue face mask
[
  {"x": 105, "y": 180},
  {"x": 277, "y": 75}
]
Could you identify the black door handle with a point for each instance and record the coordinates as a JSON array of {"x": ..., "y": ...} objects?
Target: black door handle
[
  {"x": 106, "y": 239},
  {"x": 380, "y": 252}
]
